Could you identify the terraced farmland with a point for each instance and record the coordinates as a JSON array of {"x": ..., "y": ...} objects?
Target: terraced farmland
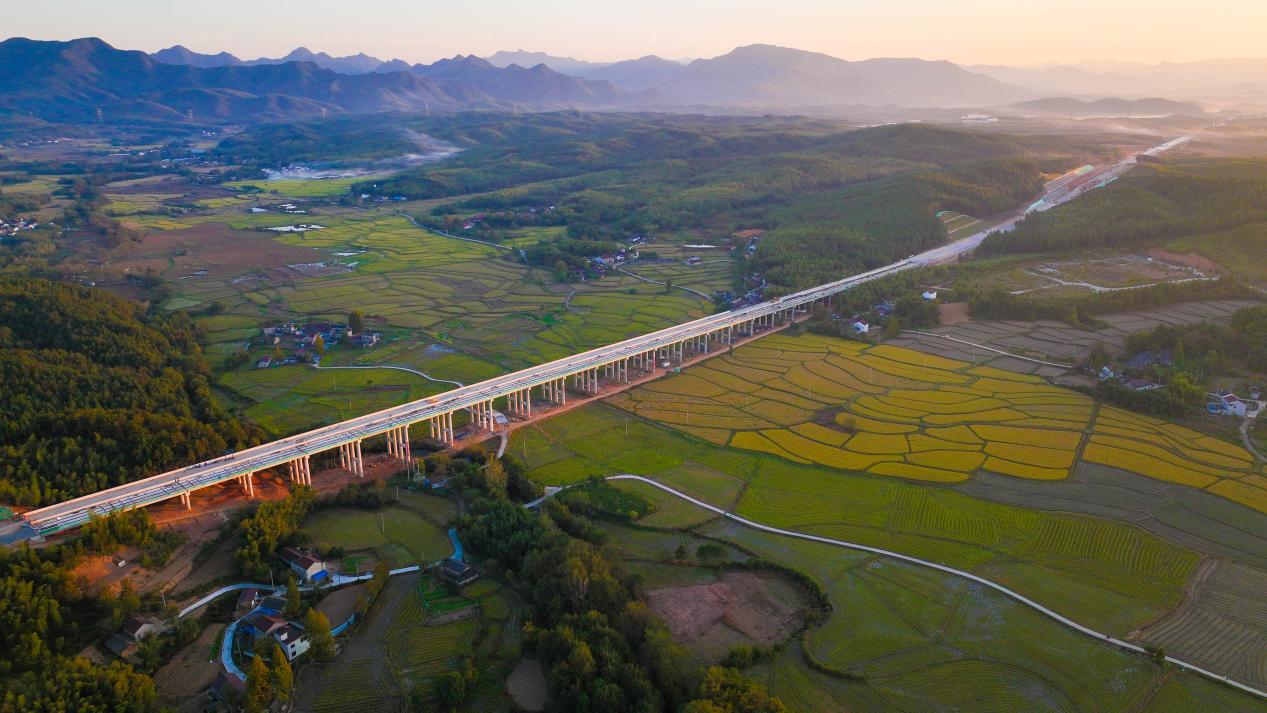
[
  {"x": 892, "y": 411},
  {"x": 453, "y": 309}
]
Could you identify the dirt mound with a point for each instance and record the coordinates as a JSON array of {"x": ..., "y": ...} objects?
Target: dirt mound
[{"x": 741, "y": 607}]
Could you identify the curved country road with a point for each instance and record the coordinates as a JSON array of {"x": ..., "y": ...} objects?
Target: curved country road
[
  {"x": 949, "y": 570},
  {"x": 397, "y": 368}
]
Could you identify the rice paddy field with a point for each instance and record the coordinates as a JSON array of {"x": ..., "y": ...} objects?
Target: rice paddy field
[
  {"x": 821, "y": 414},
  {"x": 897, "y": 412}
]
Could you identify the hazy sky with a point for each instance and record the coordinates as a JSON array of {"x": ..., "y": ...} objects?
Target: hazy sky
[{"x": 965, "y": 31}]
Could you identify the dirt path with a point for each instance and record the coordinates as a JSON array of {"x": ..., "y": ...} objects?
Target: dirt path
[{"x": 623, "y": 271}]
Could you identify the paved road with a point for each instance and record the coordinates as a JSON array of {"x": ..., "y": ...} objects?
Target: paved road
[
  {"x": 72, "y": 513},
  {"x": 948, "y": 570}
]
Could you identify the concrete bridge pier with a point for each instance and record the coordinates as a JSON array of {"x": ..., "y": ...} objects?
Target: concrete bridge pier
[
  {"x": 184, "y": 499},
  {"x": 442, "y": 428},
  {"x": 299, "y": 473},
  {"x": 356, "y": 463}
]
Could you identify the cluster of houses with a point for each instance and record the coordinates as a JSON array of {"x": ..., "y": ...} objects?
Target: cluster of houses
[
  {"x": 9, "y": 228},
  {"x": 1131, "y": 373},
  {"x": 1226, "y": 403},
  {"x": 1134, "y": 374},
  {"x": 262, "y": 616},
  {"x": 264, "y": 619},
  {"x": 301, "y": 340}
]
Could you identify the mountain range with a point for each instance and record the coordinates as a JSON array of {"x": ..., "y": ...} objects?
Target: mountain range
[
  {"x": 755, "y": 75},
  {"x": 88, "y": 80}
]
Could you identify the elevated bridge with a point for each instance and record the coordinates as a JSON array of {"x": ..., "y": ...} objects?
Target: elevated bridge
[{"x": 644, "y": 354}]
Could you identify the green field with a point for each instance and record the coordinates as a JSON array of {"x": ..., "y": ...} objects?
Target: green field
[
  {"x": 902, "y": 637},
  {"x": 403, "y": 534},
  {"x": 453, "y": 309}
]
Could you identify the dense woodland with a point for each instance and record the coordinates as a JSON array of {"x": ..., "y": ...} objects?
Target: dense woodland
[
  {"x": 1154, "y": 203},
  {"x": 98, "y": 393}
]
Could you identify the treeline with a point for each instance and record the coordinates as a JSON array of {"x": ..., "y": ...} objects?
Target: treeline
[
  {"x": 1176, "y": 398},
  {"x": 268, "y": 527},
  {"x": 604, "y": 650},
  {"x": 328, "y": 141},
  {"x": 564, "y": 256},
  {"x": 1154, "y": 203},
  {"x": 1208, "y": 348},
  {"x": 86, "y": 214},
  {"x": 866, "y": 226},
  {"x": 98, "y": 393},
  {"x": 1081, "y": 310},
  {"x": 13, "y": 205}
]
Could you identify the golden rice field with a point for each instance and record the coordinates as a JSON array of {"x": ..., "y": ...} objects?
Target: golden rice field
[{"x": 893, "y": 411}]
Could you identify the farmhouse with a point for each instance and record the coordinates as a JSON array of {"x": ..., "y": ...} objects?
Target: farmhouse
[
  {"x": 262, "y": 624},
  {"x": 139, "y": 627},
  {"x": 458, "y": 572},
  {"x": 860, "y": 326},
  {"x": 305, "y": 565},
  {"x": 1226, "y": 404},
  {"x": 292, "y": 640}
]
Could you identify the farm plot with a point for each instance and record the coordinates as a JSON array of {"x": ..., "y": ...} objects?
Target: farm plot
[
  {"x": 892, "y": 411},
  {"x": 1116, "y": 576},
  {"x": 399, "y": 535},
  {"x": 904, "y": 636},
  {"x": 400, "y": 647}
]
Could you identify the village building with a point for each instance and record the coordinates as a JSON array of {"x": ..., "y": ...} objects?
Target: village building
[
  {"x": 308, "y": 567},
  {"x": 458, "y": 572},
  {"x": 292, "y": 639}
]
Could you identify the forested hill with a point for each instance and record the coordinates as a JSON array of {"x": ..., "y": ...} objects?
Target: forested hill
[
  {"x": 1154, "y": 202},
  {"x": 97, "y": 393},
  {"x": 830, "y": 199}
]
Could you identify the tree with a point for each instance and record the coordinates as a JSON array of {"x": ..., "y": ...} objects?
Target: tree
[
  {"x": 451, "y": 690},
  {"x": 319, "y": 345},
  {"x": 259, "y": 692},
  {"x": 278, "y": 354},
  {"x": 356, "y": 322},
  {"x": 280, "y": 675},
  {"x": 318, "y": 628},
  {"x": 379, "y": 580},
  {"x": 668, "y": 286},
  {"x": 560, "y": 271},
  {"x": 709, "y": 552},
  {"x": 294, "y": 598},
  {"x": 725, "y": 690}
]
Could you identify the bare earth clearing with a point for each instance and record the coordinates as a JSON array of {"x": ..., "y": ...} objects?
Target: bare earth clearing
[{"x": 739, "y": 608}]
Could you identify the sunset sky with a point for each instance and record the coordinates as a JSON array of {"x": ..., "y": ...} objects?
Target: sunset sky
[{"x": 964, "y": 31}]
